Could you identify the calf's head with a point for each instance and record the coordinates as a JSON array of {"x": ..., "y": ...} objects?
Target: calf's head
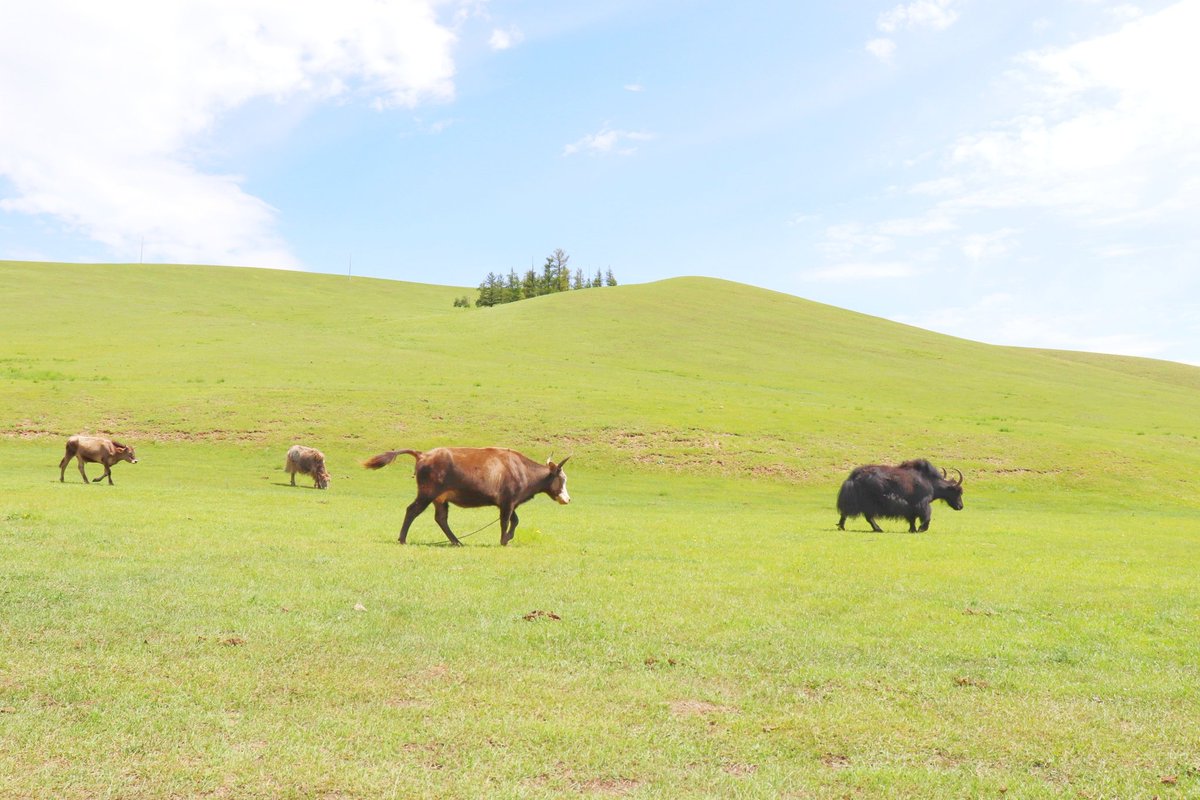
[
  {"x": 558, "y": 482},
  {"x": 321, "y": 475},
  {"x": 124, "y": 453}
]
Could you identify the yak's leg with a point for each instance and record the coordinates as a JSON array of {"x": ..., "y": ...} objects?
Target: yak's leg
[
  {"x": 414, "y": 510},
  {"x": 441, "y": 513},
  {"x": 926, "y": 515},
  {"x": 293, "y": 478},
  {"x": 79, "y": 459},
  {"x": 508, "y": 525},
  {"x": 842, "y": 523},
  {"x": 874, "y": 527}
]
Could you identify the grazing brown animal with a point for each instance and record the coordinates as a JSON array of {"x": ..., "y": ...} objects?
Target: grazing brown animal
[
  {"x": 307, "y": 461},
  {"x": 472, "y": 477},
  {"x": 94, "y": 450}
]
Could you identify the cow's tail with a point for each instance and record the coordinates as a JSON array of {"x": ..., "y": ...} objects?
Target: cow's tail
[
  {"x": 847, "y": 502},
  {"x": 383, "y": 459}
]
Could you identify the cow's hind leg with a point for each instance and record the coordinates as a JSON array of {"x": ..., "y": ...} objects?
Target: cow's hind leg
[
  {"x": 62, "y": 465},
  {"x": 441, "y": 513},
  {"x": 414, "y": 510},
  {"x": 508, "y": 525},
  {"x": 79, "y": 461}
]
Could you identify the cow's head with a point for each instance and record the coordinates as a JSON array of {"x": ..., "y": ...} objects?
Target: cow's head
[
  {"x": 124, "y": 453},
  {"x": 950, "y": 491},
  {"x": 558, "y": 481}
]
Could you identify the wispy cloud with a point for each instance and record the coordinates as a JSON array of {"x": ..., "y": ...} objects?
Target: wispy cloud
[
  {"x": 112, "y": 117},
  {"x": 936, "y": 15},
  {"x": 882, "y": 48},
  {"x": 933, "y": 14},
  {"x": 608, "y": 141},
  {"x": 505, "y": 38},
  {"x": 859, "y": 271},
  {"x": 634, "y": 87}
]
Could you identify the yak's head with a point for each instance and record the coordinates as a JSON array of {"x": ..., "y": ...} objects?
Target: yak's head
[
  {"x": 124, "y": 453},
  {"x": 558, "y": 481},
  {"x": 321, "y": 476},
  {"x": 950, "y": 491}
]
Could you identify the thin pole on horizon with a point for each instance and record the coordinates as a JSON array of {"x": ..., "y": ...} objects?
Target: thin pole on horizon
[
  {"x": 142, "y": 250},
  {"x": 350, "y": 267}
]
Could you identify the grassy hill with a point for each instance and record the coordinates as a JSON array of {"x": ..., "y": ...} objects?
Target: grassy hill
[{"x": 192, "y": 630}]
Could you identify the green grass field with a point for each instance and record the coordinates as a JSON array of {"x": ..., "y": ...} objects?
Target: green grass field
[{"x": 202, "y": 629}]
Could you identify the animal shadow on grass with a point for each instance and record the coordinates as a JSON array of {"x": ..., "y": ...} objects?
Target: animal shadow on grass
[{"x": 290, "y": 486}]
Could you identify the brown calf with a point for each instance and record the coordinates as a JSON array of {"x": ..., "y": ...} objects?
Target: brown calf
[
  {"x": 307, "y": 461},
  {"x": 472, "y": 477},
  {"x": 94, "y": 449}
]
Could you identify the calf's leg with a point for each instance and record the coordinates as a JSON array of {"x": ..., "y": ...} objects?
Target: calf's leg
[
  {"x": 441, "y": 513},
  {"x": 79, "y": 460}
]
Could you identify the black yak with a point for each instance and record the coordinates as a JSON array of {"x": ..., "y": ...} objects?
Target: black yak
[{"x": 902, "y": 492}]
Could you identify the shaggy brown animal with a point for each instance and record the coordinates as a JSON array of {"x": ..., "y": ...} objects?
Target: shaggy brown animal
[
  {"x": 472, "y": 477},
  {"x": 307, "y": 461},
  {"x": 94, "y": 450}
]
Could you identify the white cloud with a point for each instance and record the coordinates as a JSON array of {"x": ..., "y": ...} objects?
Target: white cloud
[
  {"x": 934, "y": 14},
  {"x": 115, "y": 101},
  {"x": 987, "y": 246},
  {"x": 1112, "y": 134},
  {"x": 504, "y": 39},
  {"x": 607, "y": 142},
  {"x": 634, "y": 87},
  {"x": 882, "y": 48},
  {"x": 860, "y": 270}
]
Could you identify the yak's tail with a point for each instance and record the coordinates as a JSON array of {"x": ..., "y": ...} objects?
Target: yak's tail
[
  {"x": 383, "y": 459},
  {"x": 847, "y": 501}
]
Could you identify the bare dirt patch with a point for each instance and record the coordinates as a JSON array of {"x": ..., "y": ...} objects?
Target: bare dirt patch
[
  {"x": 740, "y": 770},
  {"x": 835, "y": 760},
  {"x": 692, "y": 708},
  {"x": 609, "y": 786}
]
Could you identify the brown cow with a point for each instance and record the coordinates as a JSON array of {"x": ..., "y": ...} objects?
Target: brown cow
[
  {"x": 472, "y": 477},
  {"x": 94, "y": 449},
  {"x": 307, "y": 461}
]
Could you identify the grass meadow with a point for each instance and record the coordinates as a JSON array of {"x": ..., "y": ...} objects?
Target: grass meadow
[{"x": 692, "y": 625}]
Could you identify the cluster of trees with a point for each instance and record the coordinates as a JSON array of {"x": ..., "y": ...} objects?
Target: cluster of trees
[{"x": 555, "y": 276}]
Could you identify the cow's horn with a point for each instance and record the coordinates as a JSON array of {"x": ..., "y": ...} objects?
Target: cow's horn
[
  {"x": 960, "y": 476},
  {"x": 565, "y": 460}
]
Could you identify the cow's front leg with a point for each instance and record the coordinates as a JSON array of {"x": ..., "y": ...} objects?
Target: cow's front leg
[
  {"x": 912, "y": 524},
  {"x": 842, "y": 523},
  {"x": 441, "y": 513},
  {"x": 874, "y": 527},
  {"x": 508, "y": 525},
  {"x": 107, "y": 474}
]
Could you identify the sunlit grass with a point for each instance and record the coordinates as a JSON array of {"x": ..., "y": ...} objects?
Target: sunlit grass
[{"x": 201, "y": 628}]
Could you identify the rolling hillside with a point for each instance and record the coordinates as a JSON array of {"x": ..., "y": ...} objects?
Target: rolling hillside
[
  {"x": 688, "y": 374},
  {"x": 691, "y": 625}
]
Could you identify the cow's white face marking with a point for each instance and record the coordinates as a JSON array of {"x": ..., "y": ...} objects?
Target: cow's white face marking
[{"x": 563, "y": 496}]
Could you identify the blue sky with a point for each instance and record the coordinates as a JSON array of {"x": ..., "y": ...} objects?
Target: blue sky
[{"x": 1019, "y": 173}]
